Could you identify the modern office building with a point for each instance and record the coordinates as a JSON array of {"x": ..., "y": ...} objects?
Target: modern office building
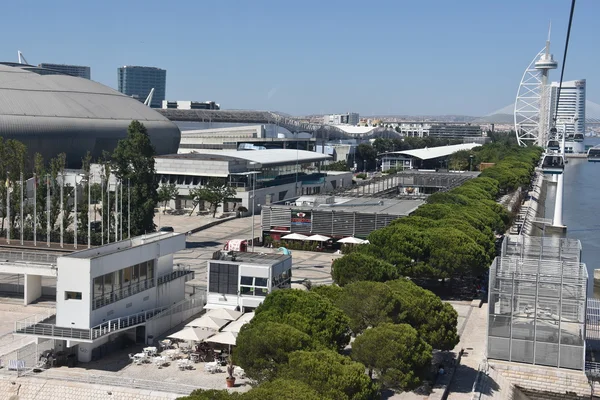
[
  {"x": 52, "y": 113},
  {"x": 241, "y": 281},
  {"x": 570, "y": 116},
  {"x": 74, "y": 70},
  {"x": 341, "y": 119},
  {"x": 190, "y": 105},
  {"x": 137, "y": 82},
  {"x": 122, "y": 288},
  {"x": 280, "y": 175},
  {"x": 454, "y": 131}
]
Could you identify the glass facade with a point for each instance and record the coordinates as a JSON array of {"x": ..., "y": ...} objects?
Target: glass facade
[
  {"x": 120, "y": 284},
  {"x": 537, "y": 311},
  {"x": 223, "y": 278},
  {"x": 138, "y": 81}
]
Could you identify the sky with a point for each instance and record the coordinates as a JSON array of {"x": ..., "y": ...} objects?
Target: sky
[{"x": 398, "y": 57}]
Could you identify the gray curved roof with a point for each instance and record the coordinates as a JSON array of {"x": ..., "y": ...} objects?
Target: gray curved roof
[{"x": 83, "y": 115}]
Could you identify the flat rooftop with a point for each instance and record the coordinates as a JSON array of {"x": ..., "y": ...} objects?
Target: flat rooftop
[
  {"x": 255, "y": 258},
  {"x": 264, "y": 157},
  {"x": 429, "y": 153},
  {"x": 365, "y": 205},
  {"x": 122, "y": 245}
]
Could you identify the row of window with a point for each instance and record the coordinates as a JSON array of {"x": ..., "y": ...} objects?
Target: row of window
[{"x": 121, "y": 280}]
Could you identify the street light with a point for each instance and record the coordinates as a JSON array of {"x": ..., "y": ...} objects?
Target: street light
[
  {"x": 254, "y": 166},
  {"x": 75, "y": 207}
]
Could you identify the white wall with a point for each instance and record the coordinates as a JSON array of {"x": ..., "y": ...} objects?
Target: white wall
[{"x": 73, "y": 275}]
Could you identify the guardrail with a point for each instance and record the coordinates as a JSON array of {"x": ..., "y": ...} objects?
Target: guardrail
[
  {"x": 35, "y": 319},
  {"x": 124, "y": 322},
  {"x": 174, "y": 275},
  {"x": 122, "y": 293}
]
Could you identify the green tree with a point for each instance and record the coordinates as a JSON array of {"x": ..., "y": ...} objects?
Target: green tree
[
  {"x": 435, "y": 320},
  {"x": 282, "y": 389},
  {"x": 341, "y": 165},
  {"x": 214, "y": 193},
  {"x": 332, "y": 292},
  {"x": 12, "y": 164},
  {"x": 133, "y": 161},
  {"x": 369, "y": 304},
  {"x": 166, "y": 193},
  {"x": 308, "y": 312},
  {"x": 332, "y": 375},
  {"x": 201, "y": 394},
  {"x": 263, "y": 348},
  {"x": 400, "y": 358},
  {"x": 366, "y": 155},
  {"x": 359, "y": 267}
]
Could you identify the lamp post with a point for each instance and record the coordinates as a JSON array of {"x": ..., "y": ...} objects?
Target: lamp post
[
  {"x": 75, "y": 207},
  {"x": 254, "y": 166},
  {"x": 471, "y": 162}
]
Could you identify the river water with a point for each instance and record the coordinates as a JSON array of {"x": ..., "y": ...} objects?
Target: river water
[{"x": 581, "y": 209}]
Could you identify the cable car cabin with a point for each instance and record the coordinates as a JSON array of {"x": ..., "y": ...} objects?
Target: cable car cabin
[
  {"x": 553, "y": 164},
  {"x": 593, "y": 154},
  {"x": 578, "y": 137},
  {"x": 553, "y": 145}
]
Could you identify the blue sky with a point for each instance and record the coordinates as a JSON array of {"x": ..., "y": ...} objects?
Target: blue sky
[{"x": 377, "y": 57}]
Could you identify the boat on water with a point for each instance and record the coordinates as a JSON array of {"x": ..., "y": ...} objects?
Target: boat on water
[{"x": 593, "y": 154}]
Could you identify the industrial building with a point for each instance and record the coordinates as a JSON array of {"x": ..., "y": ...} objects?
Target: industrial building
[
  {"x": 190, "y": 105},
  {"x": 260, "y": 177},
  {"x": 52, "y": 113},
  {"x": 429, "y": 158},
  {"x": 341, "y": 119},
  {"x": 241, "y": 281},
  {"x": 74, "y": 70},
  {"x": 122, "y": 288},
  {"x": 335, "y": 217},
  {"x": 137, "y": 82}
]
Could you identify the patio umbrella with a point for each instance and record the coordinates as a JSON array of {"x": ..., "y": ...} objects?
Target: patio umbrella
[
  {"x": 223, "y": 313},
  {"x": 192, "y": 334},
  {"x": 294, "y": 236},
  {"x": 208, "y": 322},
  {"x": 236, "y": 325},
  {"x": 228, "y": 338},
  {"x": 351, "y": 240},
  {"x": 318, "y": 238}
]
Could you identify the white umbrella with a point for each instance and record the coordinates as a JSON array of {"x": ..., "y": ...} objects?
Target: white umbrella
[
  {"x": 318, "y": 238},
  {"x": 246, "y": 317},
  {"x": 208, "y": 322},
  {"x": 224, "y": 338},
  {"x": 223, "y": 313},
  {"x": 294, "y": 236},
  {"x": 192, "y": 334},
  {"x": 351, "y": 240}
]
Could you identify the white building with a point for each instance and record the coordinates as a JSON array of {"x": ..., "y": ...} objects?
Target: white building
[
  {"x": 113, "y": 290},
  {"x": 341, "y": 119},
  {"x": 190, "y": 105},
  {"x": 418, "y": 158},
  {"x": 570, "y": 116},
  {"x": 242, "y": 280},
  {"x": 280, "y": 175}
]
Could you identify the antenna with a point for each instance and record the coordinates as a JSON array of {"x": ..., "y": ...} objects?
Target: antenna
[
  {"x": 148, "y": 100},
  {"x": 22, "y": 59}
]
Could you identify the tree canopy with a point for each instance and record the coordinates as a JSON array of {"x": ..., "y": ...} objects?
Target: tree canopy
[
  {"x": 358, "y": 267},
  {"x": 215, "y": 192},
  {"x": 396, "y": 353},
  {"x": 133, "y": 162},
  {"x": 263, "y": 347},
  {"x": 308, "y": 312}
]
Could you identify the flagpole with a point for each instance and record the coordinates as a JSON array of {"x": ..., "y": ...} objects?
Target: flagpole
[
  {"x": 121, "y": 206},
  {"x": 48, "y": 209},
  {"x": 88, "y": 209},
  {"x": 7, "y": 209},
  {"x": 108, "y": 209},
  {"x": 34, "y": 209},
  {"x": 116, "y": 210},
  {"x": 128, "y": 208},
  {"x": 22, "y": 224},
  {"x": 75, "y": 213},
  {"x": 62, "y": 211},
  {"x": 102, "y": 201}
]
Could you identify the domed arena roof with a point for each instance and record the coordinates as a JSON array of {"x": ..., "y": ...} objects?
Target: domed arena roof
[{"x": 53, "y": 113}]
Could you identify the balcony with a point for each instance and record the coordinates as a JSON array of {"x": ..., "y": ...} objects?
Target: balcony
[
  {"x": 122, "y": 293},
  {"x": 179, "y": 272}
]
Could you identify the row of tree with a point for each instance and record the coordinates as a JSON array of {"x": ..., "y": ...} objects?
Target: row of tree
[{"x": 453, "y": 234}]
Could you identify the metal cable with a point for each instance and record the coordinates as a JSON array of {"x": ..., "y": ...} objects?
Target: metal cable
[{"x": 562, "y": 70}]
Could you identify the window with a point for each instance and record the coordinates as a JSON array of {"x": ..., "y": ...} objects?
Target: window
[
  {"x": 246, "y": 280},
  {"x": 254, "y": 286},
  {"x": 72, "y": 295},
  {"x": 223, "y": 278}
]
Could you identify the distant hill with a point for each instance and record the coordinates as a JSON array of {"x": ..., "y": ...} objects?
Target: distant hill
[{"x": 495, "y": 119}]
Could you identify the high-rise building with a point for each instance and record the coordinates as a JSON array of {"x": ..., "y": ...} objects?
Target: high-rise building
[
  {"x": 74, "y": 70},
  {"x": 341, "y": 119},
  {"x": 137, "y": 82},
  {"x": 571, "y": 106}
]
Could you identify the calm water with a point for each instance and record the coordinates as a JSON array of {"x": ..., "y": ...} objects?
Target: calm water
[{"x": 581, "y": 208}]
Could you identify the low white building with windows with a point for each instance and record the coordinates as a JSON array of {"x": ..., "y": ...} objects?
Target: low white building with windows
[
  {"x": 241, "y": 281},
  {"x": 112, "y": 290}
]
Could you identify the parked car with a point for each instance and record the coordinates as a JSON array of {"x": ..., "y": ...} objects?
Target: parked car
[{"x": 167, "y": 229}]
